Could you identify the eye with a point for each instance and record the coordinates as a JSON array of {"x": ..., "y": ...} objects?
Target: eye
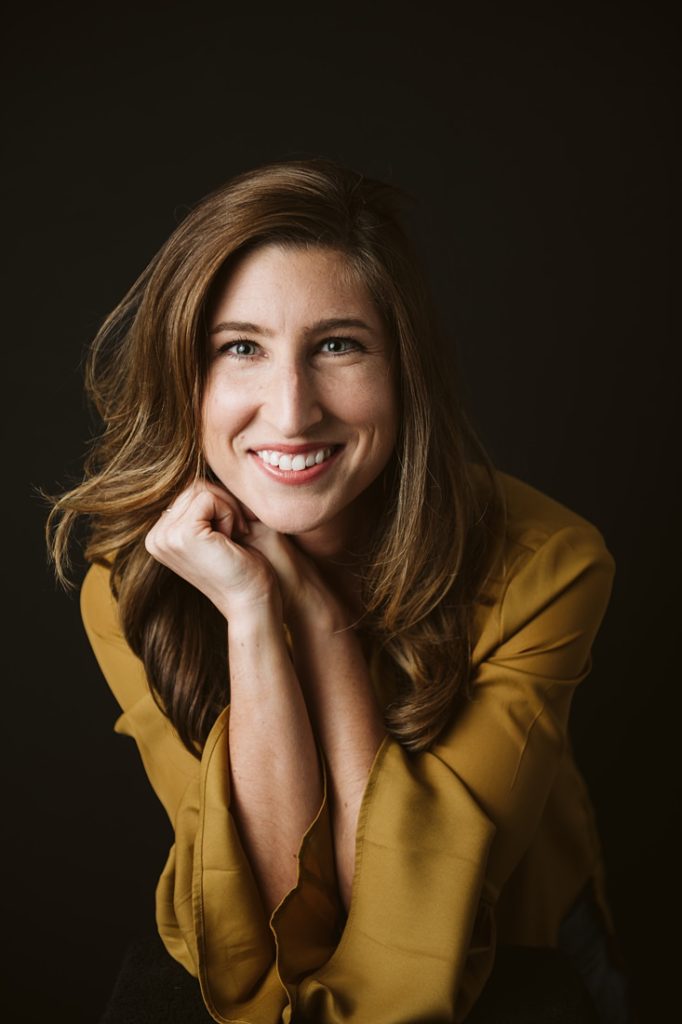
[
  {"x": 242, "y": 348},
  {"x": 339, "y": 346}
]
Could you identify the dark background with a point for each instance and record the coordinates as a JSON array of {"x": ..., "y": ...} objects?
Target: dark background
[{"x": 539, "y": 144}]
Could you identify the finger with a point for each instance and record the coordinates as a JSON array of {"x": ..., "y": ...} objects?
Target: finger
[
  {"x": 212, "y": 504},
  {"x": 215, "y": 512},
  {"x": 179, "y": 503},
  {"x": 229, "y": 521},
  {"x": 244, "y": 514},
  {"x": 241, "y": 521},
  {"x": 229, "y": 516}
]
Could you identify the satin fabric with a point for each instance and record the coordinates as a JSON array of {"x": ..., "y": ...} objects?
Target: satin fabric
[{"x": 487, "y": 836}]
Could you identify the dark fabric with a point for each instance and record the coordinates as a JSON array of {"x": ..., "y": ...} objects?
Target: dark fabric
[
  {"x": 584, "y": 939},
  {"x": 152, "y": 988},
  {"x": 533, "y": 986},
  {"x": 527, "y": 986}
]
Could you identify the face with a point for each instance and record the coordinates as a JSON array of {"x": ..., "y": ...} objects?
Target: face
[{"x": 300, "y": 410}]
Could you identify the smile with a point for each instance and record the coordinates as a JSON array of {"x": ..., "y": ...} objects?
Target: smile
[
  {"x": 296, "y": 467},
  {"x": 294, "y": 463}
]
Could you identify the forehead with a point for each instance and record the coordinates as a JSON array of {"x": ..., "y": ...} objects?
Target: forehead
[{"x": 284, "y": 278}]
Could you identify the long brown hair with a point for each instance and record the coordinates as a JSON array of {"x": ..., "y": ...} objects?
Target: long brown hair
[{"x": 437, "y": 541}]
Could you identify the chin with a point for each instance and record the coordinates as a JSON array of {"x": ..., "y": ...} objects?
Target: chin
[
  {"x": 291, "y": 523},
  {"x": 293, "y": 518}
]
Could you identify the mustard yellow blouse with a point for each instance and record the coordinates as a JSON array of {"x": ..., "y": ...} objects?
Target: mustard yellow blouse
[{"x": 489, "y": 836}]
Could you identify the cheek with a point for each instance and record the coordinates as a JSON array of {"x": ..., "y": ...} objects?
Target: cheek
[
  {"x": 370, "y": 401},
  {"x": 221, "y": 411},
  {"x": 210, "y": 414},
  {"x": 379, "y": 409}
]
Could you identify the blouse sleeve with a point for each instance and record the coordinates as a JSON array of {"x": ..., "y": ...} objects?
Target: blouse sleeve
[
  {"x": 209, "y": 912},
  {"x": 440, "y": 832}
]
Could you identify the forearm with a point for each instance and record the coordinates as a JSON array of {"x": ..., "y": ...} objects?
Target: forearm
[
  {"x": 275, "y": 773},
  {"x": 348, "y": 722}
]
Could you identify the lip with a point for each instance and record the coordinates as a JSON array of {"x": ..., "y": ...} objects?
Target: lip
[
  {"x": 295, "y": 478},
  {"x": 293, "y": 449}
]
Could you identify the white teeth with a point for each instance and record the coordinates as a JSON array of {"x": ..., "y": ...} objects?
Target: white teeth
[{"x": 293, "y": 463}]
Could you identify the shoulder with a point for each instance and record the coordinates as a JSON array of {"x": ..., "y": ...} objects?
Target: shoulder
[
  {"x": 122, "y": 669},
  {"x": 533, "y": 519},
  {"x": 550, "y": 556},
  {"x": 98, "y": 605}
]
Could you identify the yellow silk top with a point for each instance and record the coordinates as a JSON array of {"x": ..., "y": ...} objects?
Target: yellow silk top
[{"x": 487, "y": 836}]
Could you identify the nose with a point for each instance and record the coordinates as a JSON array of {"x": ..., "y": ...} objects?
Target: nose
[{"x": 292, "y": 404}]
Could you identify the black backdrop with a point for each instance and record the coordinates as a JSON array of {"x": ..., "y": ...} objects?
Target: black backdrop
[{"x": 539, "y": 144}]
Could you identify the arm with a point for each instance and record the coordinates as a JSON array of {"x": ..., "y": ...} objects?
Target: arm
[
  {"x": 275, "y": 775},
  {"x": 337, "y": 687},
  {"x": 439, "y": 832},
  {"x": 338, "y": 692},
  {"x": 210, "y": 913},
  {"x": 274, "y": 771}
]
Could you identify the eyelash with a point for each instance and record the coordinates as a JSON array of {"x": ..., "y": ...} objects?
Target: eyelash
[{"x": 225, "y": 349}]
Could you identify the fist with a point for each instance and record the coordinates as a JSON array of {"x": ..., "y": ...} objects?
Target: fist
[{"x": 201, "y": 538}]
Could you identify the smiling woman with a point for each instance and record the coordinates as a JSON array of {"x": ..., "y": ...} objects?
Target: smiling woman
[
  {"x": 344, "y": 643},
  {"x": 300, "y": 422}
]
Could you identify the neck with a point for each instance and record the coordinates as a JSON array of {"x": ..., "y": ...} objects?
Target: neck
[
  {"x": 343, "y": 541},
  {"x": 325, "y": 546},
  {"x": 334, "y": 565},
  {"x": 339, "y": 548}
]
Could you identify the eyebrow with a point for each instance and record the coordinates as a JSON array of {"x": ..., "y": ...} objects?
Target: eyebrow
[{"x": 330, "y": 324}]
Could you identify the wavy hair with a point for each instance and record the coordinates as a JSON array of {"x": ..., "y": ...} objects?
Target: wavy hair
[{"x": 436, "y": 542}]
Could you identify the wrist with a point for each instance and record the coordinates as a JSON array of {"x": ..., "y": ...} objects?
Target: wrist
[
  {"x": 252, "y": 610},
  {"x": 318, "y": 614}
]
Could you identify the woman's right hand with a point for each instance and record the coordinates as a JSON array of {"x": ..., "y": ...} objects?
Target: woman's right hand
[{"x": 198, "y": 538}]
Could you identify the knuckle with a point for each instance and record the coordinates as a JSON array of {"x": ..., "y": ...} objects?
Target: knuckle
[{"x": 174, "y": 540}]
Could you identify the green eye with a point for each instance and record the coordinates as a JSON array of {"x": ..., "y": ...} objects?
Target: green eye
[
  {"x": 339, "y": 346},
  {"x": 241, "y": 348}
]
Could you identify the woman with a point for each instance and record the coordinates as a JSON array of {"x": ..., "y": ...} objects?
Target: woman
[{"x": 345, "y": 645}]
